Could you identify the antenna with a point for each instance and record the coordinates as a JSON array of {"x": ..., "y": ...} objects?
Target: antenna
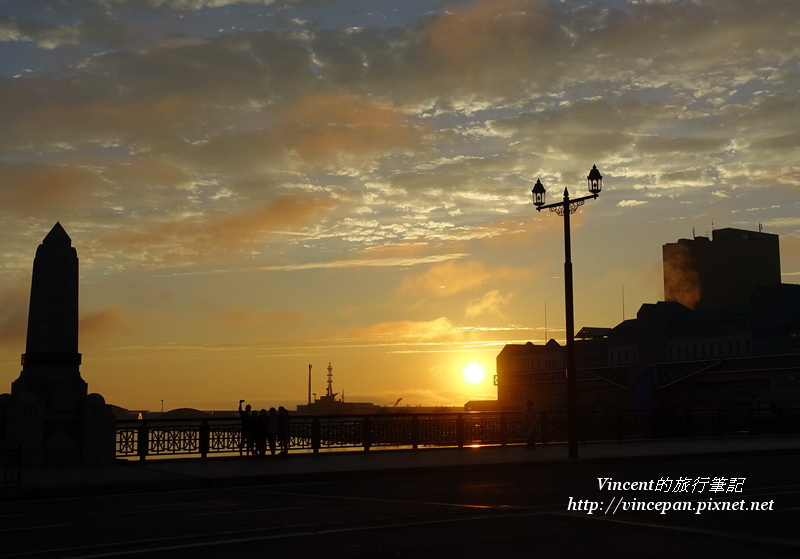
[
  {"x": 545, "y": 322},
  {"x": 623, "y": 303},
  {"x": 309, "y": 383}
]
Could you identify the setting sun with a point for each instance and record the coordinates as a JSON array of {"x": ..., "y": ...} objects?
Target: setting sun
[{"x": 474, "y": 373}]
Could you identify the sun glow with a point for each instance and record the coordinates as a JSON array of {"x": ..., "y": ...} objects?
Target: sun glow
[{"x": 474, "y": 373}]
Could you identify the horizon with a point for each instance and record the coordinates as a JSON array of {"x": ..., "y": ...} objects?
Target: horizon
[{"x": 253, "y": 187}]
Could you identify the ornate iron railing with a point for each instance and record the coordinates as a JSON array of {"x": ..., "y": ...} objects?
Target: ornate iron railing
[{"x": 221, "y": 436}]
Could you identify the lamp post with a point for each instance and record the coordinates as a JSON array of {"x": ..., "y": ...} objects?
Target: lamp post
[{"x": 565, "y": 208}]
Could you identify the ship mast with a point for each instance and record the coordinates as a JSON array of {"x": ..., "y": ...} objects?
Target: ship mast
[{"x": 330, "y": 393}]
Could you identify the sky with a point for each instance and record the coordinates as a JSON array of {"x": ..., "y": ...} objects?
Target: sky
[{"x": 256, "y": 186}]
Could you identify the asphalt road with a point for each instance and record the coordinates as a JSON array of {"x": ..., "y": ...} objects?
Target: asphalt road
[{"x": 539, "y": 510}]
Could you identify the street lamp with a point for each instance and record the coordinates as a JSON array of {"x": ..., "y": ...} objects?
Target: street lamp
[{"x": 565, "y": 208}]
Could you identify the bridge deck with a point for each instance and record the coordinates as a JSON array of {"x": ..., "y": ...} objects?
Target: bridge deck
[{"x": 187, "y": 473}]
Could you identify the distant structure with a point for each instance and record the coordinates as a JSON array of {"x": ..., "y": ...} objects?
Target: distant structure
[
  {"x": 703, "y": 273},
  {"x": 728, "y": 335},
  {"x": 49, "y": 414},
  {"x": 329, "y": 405}
]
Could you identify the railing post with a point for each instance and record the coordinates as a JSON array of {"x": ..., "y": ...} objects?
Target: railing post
[
  {"x": 415, "y": 432},
  {"x": 316, "y": 435},
  {"x": 503, "y": 429},
  {"x": 366, "y": 435},
  {"x": 142, "y": 440},
  {"x": 460, "y": 434},
  {"x": 204, "y": 444}
]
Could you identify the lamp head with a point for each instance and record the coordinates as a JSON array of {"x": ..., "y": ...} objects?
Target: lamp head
[
  {"x": 538, "y": 194},
  {"x": 595, "y": 181}
]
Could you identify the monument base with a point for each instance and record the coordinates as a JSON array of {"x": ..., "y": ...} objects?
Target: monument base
[{"x": 82, "y": 436}]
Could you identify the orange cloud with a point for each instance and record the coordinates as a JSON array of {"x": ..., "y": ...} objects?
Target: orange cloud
[
  {"x": 98, "y": 324},
  {"x": 104, "y": 121},
  {"x": 491, "y": 303},
  {"x": 200, "y": 234},
  {"x": 479, "y": 40},
  {"x": 451, "y": 277},
  {"x": 28, "y": 187},
  {"x": 404, "y": 331},
  {"x": 323, "y": 126},
  {"x": 149, "y": 172}
]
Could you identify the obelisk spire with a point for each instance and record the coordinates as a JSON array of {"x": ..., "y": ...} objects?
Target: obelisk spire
[{"x": 53, "y": 312}]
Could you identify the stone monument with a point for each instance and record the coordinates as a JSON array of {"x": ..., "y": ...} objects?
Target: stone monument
[{"x": 49, "y": 414}]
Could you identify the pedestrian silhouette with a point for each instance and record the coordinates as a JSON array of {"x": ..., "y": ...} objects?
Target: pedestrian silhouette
[
  {"x": 284, "y": 431},
  {"x": 246, "y": 441},
  {"x": 260, "y": 433},
  {"x": 272, "y": 429}
]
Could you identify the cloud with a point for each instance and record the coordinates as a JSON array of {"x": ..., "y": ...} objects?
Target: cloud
[
  {"x": 319, "y": 127},
  {"x": 402, "y": 332},
  {"x": 486, "y": 45},
  {"x": 28, "y": 188},
  {"x": 209, "y": 236},
  {"x": 108, "y": 322},
  {"x": 447, "y": 278},
  {"x": 452, "y": 277},
  {"x": 101, "y": 28},
  {"x": 631, "y": 203},
  {"x": 491, "y": 303},
  {"x": 660, "y": 145}
]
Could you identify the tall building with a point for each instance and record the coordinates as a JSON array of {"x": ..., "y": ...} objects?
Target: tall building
[{"x": 703, "y": 273}]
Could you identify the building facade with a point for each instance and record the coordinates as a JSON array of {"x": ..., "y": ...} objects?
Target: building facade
[
  {"x": 738, "y": 347},
  {"x": 703, "y": 273}
]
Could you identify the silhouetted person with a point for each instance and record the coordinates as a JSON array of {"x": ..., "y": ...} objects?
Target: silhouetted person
[
  {"x": 529, "y": 425},
  {"x": 284, "y": 432},
  {"x": 260, "y": 432},
  {"x": 247, "y": 429},
  {"x": 272, "y": 429}
]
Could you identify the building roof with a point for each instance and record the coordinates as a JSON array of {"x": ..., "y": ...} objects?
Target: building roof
[{"x": 593, "y": 332}]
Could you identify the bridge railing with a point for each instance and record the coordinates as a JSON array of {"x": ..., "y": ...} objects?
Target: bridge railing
[{"x": 222, "y": 436}]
